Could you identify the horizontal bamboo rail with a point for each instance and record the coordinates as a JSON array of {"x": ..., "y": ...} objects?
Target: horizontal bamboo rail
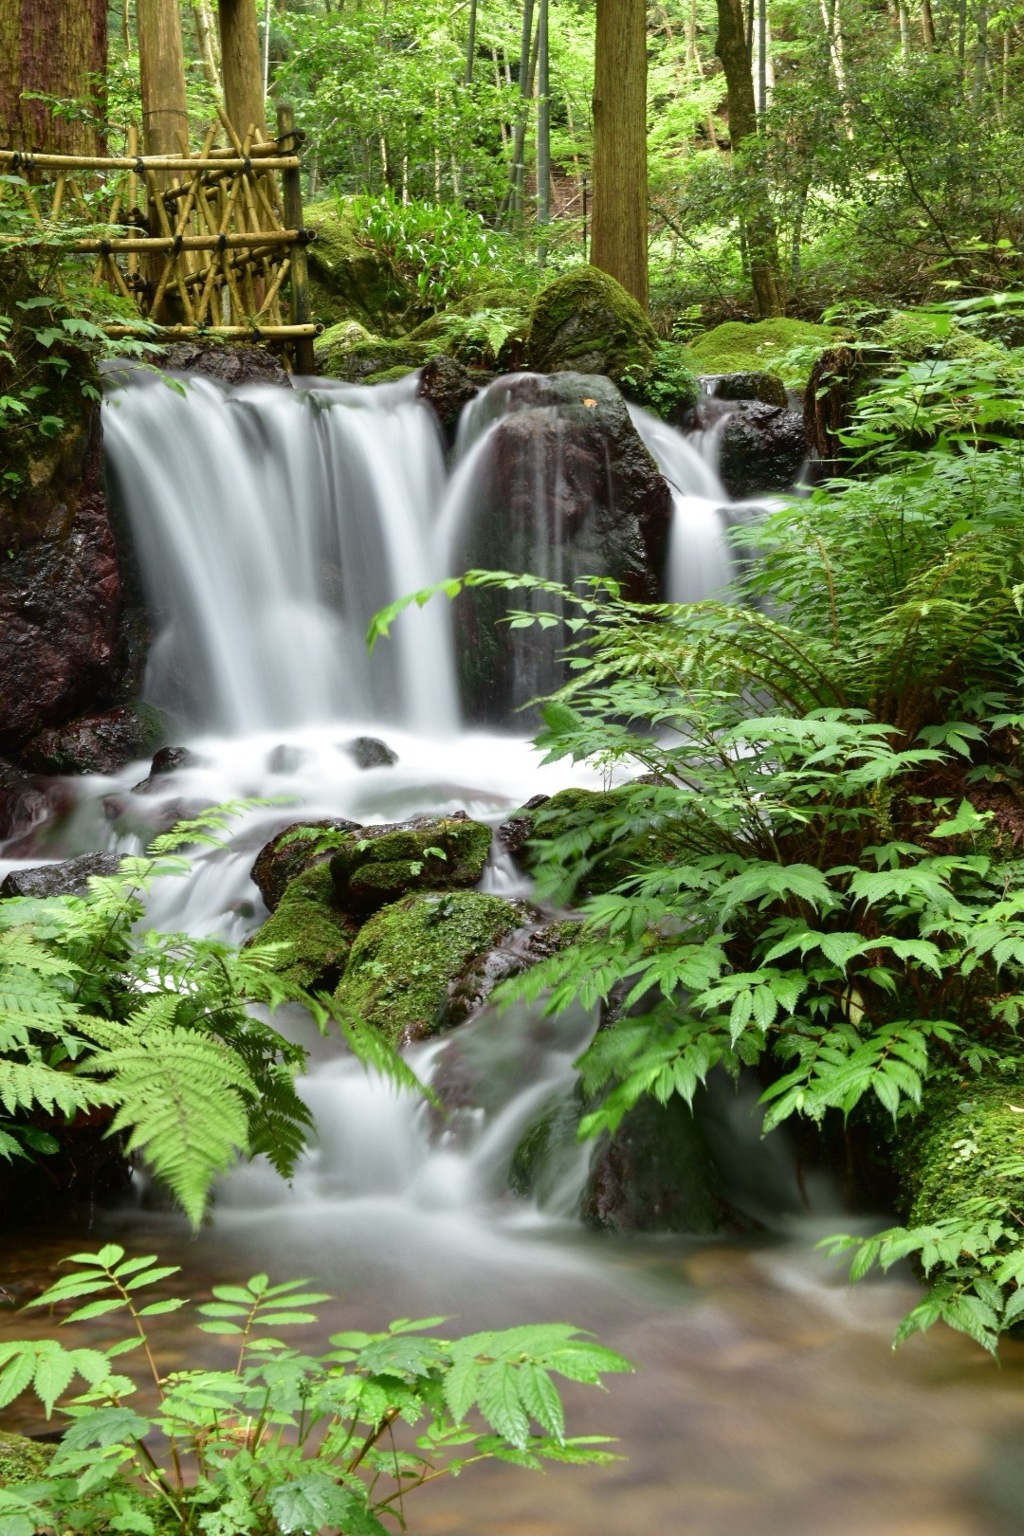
[
  {"x": 212, "y": 332},
  {"x": 141, "y": 163},
  {"x": 162, "y": 243}
]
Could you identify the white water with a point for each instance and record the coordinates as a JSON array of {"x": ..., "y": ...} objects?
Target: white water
[{"x": 271, "y": 527}]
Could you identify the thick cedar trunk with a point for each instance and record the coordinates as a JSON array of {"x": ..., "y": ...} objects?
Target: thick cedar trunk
[
  {"x": 162, "y": 77},
  {"x": 58, "y": 47},
  {"x": 619, "y": 230},
  {"x": 242, "y": 66},
  {"x": 731, "y": 48}
]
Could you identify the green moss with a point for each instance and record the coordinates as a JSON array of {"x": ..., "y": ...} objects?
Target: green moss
[
  {"x": 428, "y": 854},
  {"x": 347, "y": 352},
  {"x": 390, "y": 375},
  {"x": 586, "y": 321},
  {"x": 784, "y": 347},
  {"x": 670, "y": 385},
  {"x": 962, "y": 1135},
  {"x": 349, "y": 280},
  {"x": 319, "y": 936},
  {"x": 22, "y": 1460},
  {"x": 409, "y": 954},
  {"x": 913, "y": 335},
  {"x": 573, "y": 809}
]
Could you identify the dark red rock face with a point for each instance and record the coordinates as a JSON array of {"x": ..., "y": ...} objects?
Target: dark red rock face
[
  {"x": 100, "y": 743},
  {"x": 60, "y": 596}
]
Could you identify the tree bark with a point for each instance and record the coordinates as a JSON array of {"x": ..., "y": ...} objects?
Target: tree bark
[
  {"x": 619, "y": 228},
  {"x": 162, "y": 75},
  {"x": 204, "y": 37},
  {"x": 242, "y": 66},
  {"x": 543, "y": 124},
  {"x": 762, "y": 245},
  {"x": 57, "y": 47}
]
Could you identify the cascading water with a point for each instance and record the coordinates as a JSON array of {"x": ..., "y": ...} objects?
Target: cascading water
[{"x": 270, "y": 525}]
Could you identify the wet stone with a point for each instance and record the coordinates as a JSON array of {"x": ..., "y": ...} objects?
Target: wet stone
[
  {"x": 370, "y": 752},
  {"x": 166, "y": 760},
  {"x": 70, "y": 878}
]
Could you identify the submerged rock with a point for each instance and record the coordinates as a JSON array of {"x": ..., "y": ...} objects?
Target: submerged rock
[
  {"x": 100, "y": 743},
  {"x": 166, "y": 761},
  {"x": 563, "y": 487},
  {"x": 410, "y": 957},
  {"x": 425, "y": 853},
  {"x": 370, "y": 752},
  {"x": 318, "y": 936},
  {"x": 69, "y": 878},
  {"x": 587, "y": 322},
  {"x": 283, "y": 859}
]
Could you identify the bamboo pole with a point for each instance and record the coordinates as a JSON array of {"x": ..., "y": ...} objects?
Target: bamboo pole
[
  {"x": 292, "y": 188},
  {"x": 157, "y": 243},
  {"x": 222, "y": 161},
  {"x": 272, "y": 332}
]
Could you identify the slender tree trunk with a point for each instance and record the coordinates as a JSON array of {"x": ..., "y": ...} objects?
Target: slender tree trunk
[
  {"x": 759, "y": 226},
  {"x": 980, "y": 54},
  {"x": 961, "y": 45},
  {"x": 162, "y": 76},
  {"x": 56, "y": 47},
  {"x": 618, "y": 242},
  {"x": 471, "y": 42},
  {"x": 242, "y": 65},
  {"x": 904, "y": 30},
  {"x": 762, "y": 56},
  {"x": 928, "y": 25},
  {"x": 543, "y": 124},
  {"x": 203, "y": 23},
  {"x": 526, "y": 67}
]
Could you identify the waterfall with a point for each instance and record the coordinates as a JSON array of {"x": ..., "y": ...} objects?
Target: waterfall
[{"x": 270, "y": 526}]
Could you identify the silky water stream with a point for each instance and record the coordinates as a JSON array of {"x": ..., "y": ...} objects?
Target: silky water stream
[{"x": 269, "y": 528}]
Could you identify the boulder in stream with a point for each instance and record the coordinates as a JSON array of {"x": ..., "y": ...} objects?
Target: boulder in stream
[
  {"x": 762, "y": 449},
  {"x": 285, "y": 857},
  {"x": 69, "y": 878},
  {"x": 370, "y": 752},
  {"x": 100, "y": 743},
  {"x": 22, "y": 802},
  {"x": 563, "y": 487},
  {"x": 317, "y": 935},
  {"x": 410, "y": 957},
  {"x": 231, "y": 363},
  {"x": 587, "y": 322},
  {"x": 377, "y": 865},
  {"x": 447, "y": 388},
  {"x": 654, "y": 1175}
]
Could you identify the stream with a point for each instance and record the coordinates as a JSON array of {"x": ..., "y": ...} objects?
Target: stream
[{"x": 270, "y": 526}]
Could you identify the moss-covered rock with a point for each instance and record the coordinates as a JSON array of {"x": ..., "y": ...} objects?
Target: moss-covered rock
[
  {"x": 100, "y": 743},
  {"x": 409, "y": 957},
  {"x": 286, "y": 856},
  {"x": 426, "y": 853},
  {"x": 952, "y": 1155},
  {"x": 480, "y": 335},
  {"x": 912, "y": 335},
  {"x": 319, "y": 937},
  {"x": 586, "y": 321},
  {"x": 349, "y": 279},
  {"x": 23, "y": 1460},
  {"x": 654, "y": 1175},
  {"x": 781, "y": 346},
  {"x": 571, "y": 809},
  {"x": 759, "y": 385},
  {"x": 348, "y": 352}
]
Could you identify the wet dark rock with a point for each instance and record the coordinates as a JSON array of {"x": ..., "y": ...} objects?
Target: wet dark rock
[
  {"x": 766, "y": 387},
  {"x": 60, "y": 590},
  {"x": 565, "y": 485},
  {"x": 515, "y": 833},
  {"x": 654, "y": 1175},
  {"x": 370, "y": 752},
  {"x": 447, "y": 388},
  {"x": 286, "y": 758},
  {"x": 226, "y": 362},
  {"x": 70, "y": 878},
  {"x": 100, "y": 743},
  {"x": 166, "y": 760},
  {"x": 609, "y": 859},
  {"x": 22, "y": 802},
  {"x": 763, "y": 449},
  {"x": 281, "y": 860},
  {"x": 380, "y": 864},
  {"x": 522, "y": 949}
]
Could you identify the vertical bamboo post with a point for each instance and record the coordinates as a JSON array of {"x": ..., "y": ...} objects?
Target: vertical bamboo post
[{"x": 292, "y": 188}]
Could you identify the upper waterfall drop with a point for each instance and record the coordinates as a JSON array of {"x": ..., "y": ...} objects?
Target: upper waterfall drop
[{"x": 270, "y": 526}]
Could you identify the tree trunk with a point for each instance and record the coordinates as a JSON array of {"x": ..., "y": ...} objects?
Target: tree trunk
[
  {"x": 526, "y": 67},
  {"x": 980, "y": 54},
  {"x": 162, "y": 74},
  {"x": 471, "y": 42},
  {"x": 618, "y": 242},
  {"x": 242, "y": 65},
  {"x": 543, "y": 125},
  {"x": 762, "y": 245},
  {"x": 204, "y": 37},
  {"x": 59, "y": 48},
  {"x": 928, "y": 25}
]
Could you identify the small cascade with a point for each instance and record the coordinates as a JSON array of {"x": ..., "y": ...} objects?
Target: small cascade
[{"x": 270, "y": 526}]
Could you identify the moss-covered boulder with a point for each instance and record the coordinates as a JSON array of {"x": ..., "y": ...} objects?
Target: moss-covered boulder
[
  {"x": 613, "y": 856},
  {"x": 752, "y": 385},
  {"x": 409, "y": 958},
  {"x": 489, "y": 336},
  {"x": 952, "y": 1155},
  {"x": 23, "y": 1460},
  {"x": 780, "y": 346},
  {"x": 287, "y": 855},
  {"x": 349, "y": 279},
  {"x": 348, "y": 352},
  {"x": 319, "y": 936},
  {"x": 100, "y": 743},
  {"x": 586, "y": 321},
  {"x": 377, "y": 865},
  {"x": 655, "y": 1174}
]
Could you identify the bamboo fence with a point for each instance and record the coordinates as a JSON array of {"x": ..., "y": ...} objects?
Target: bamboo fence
[{"x": 196, "y": 243}]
